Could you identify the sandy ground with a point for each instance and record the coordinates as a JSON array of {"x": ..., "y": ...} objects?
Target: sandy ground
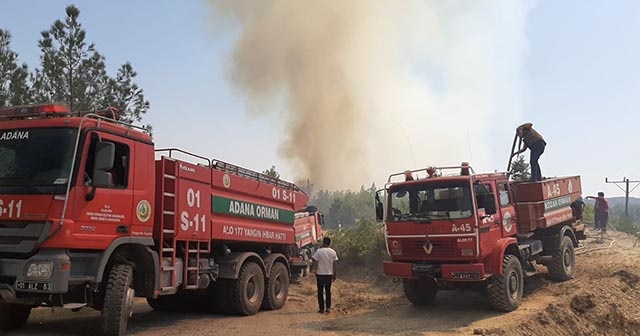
[{"x": 603, "y": 299}]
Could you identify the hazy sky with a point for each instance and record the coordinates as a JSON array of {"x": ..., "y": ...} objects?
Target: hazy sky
[{"x": 573, "y": 73}]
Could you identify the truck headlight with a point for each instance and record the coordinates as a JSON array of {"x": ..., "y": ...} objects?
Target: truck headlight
[
  {"x": 39, "y": 269},
  {"x": 466, "y": 252}
]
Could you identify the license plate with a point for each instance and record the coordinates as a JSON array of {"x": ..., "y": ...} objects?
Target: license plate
[
  {"x": 465, "y": 275},
  {"x": 33, "y": 286}
]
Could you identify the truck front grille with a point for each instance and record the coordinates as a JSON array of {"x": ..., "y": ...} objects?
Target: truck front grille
[
  {"x": 9, "y": 280},
  {"x": 439, "y": 248},
  {"x": 22, "y": 238}
]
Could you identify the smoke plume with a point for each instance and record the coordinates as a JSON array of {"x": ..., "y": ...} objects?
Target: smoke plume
[{"x": 375, "y": 87}]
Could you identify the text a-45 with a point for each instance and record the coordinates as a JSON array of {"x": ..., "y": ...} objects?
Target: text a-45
[{"x": 461, "y": 228}]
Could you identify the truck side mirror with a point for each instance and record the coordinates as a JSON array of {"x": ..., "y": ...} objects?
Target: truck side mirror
[
  {"x": 489, "y": 205},
  {"x": 321, "y": 219},
  {"x": 379, "y": 208},
  {"x": 104, "y": 156}
]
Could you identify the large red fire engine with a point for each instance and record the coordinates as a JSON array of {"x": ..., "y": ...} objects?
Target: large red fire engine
[
  {"x": 92, "y": 215},
  {"x": 482, "y": 231}
]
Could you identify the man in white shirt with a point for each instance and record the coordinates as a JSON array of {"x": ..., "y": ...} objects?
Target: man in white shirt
[{"x": 325, "y": 264}]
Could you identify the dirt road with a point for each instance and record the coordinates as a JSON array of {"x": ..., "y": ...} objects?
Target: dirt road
[{"x": 603, "y": 299}]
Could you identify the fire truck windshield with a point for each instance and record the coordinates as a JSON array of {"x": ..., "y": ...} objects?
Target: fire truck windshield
[
  {"x": 35, "y": 160},
  {"x": 431, "y": 201}
]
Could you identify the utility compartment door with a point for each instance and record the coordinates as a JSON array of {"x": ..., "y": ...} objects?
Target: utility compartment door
[{"x": 193, "y": 202}]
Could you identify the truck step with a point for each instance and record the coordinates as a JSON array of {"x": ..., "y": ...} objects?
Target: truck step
[
  {"x": 168, "y": 268},
  {"x": 168, "y": 194},
  {"x": 166, "y": 212},
  {"x": 167, "y": 231},
  {"x": 530, "y": 248},
  {"x": 168, "y": 289},
  {"x": 172, "y": 177},
  {"x": 195, "y": 251},
  {"x": 167, "y": 249},
  {"x": 191, "y": 287},
  {"x": 523, "y": 236},
  {"x": 192, "y": 268}
]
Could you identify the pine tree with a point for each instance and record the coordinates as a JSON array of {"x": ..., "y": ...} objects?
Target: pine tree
[
  {"x": 14, "y": 88},
  {"x": 73, "y": 72},
  {"x": 520, "y": 169}
]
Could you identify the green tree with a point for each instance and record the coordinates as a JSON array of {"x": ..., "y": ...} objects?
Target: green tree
[
  {"x": 73, "y": 72},
  {"x": 272, "y": 172},
  {"x": 520, "y": 169},
  {"x": 125, "y": 95},
  {"x": 14, "y": 88}
]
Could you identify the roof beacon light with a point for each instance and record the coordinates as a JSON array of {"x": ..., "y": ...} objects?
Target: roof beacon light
[{"x": 34, "y": 111}]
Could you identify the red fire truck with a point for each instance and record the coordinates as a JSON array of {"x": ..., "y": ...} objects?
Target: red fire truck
[
  {"x": 448, "y": 227},
  {"x": 92, "y": 215},
  {"x": 308, "y": 227}
]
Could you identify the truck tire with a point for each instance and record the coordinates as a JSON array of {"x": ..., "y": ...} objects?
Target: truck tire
[
  {"x": 563, "y": 263},
  {"x": 420, "y": 292},
  {"x": 277, "y": 287},
  {"x": 13, "y": 316},
  {"x": 247, "y": 291},
  {"x": 505, "y": 294},
  {"x": 118, "y": 300}
]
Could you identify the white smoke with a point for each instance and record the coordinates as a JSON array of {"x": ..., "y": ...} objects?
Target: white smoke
[{"x": 376, "y": 87}]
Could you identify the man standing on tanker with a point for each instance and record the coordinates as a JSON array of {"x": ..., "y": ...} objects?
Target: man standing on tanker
[
  {"x": 325, "y": 265},
  {"x": 536, "y": 144}
]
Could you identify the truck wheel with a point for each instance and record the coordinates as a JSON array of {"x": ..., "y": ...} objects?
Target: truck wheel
[
  {"x": 118, "y": 300},
  {"x": 505, "y": 293},
  {"x": 563, "y": 264},
  {"x": 13, "y": 316},
  {"x": 277, "y": 287},
  {"x": 420, "y": 292},
  {"x": 247, "y": 291}
]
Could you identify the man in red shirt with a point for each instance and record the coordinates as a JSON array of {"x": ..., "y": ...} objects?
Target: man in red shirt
[{"x": 601, "y": 209}]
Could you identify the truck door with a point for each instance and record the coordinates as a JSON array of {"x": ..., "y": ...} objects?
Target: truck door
[
  {"x": 507, "y": 210},
  {"x": 108, "y": 214},
  {"x": 488, "y": 225}
]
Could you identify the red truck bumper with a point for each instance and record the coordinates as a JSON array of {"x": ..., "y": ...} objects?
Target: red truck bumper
[
  {"x": 447, "y": 272},
  {"x": 398, "y": 269}
]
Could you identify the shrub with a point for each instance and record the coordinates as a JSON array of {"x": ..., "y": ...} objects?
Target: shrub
[{"x": 362, "y": 245}]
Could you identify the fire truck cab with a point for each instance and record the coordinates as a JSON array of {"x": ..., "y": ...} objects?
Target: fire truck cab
[
  {"x": 91, "y": 214},
  {"x": 448, "y": 227}
]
